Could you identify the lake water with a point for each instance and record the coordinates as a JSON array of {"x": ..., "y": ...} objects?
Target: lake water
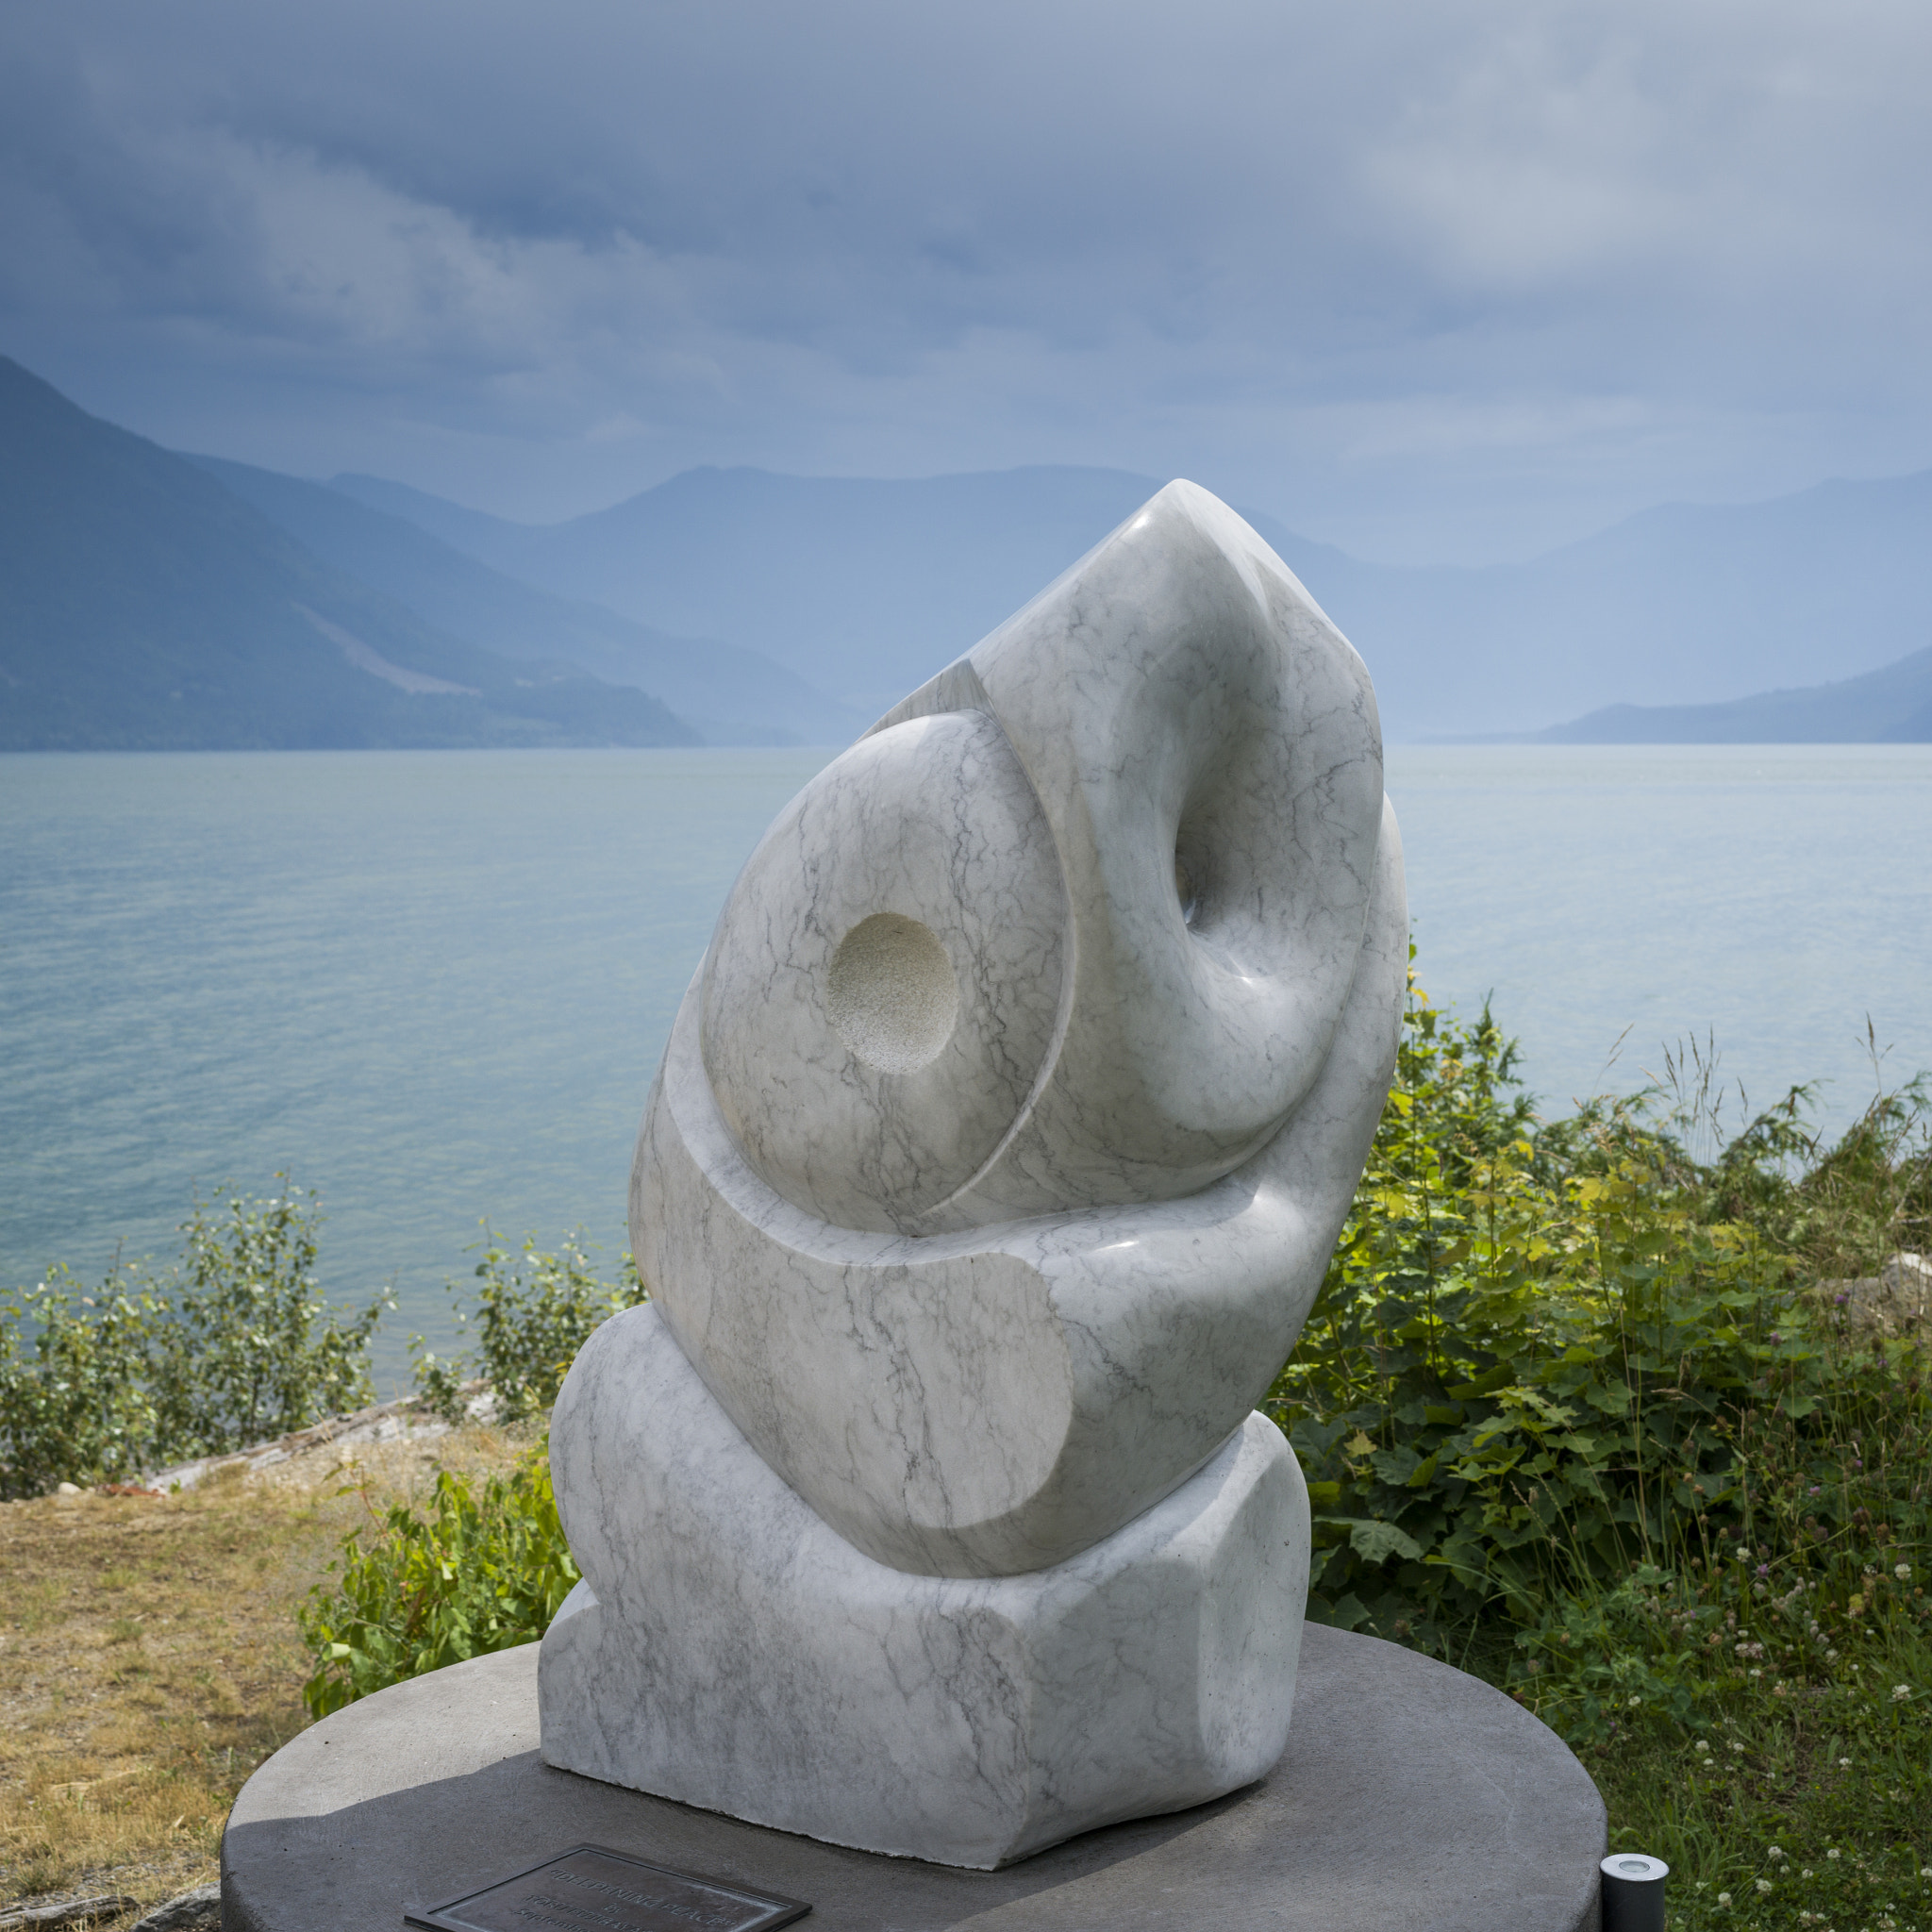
[{"x": 434, "y": 986}]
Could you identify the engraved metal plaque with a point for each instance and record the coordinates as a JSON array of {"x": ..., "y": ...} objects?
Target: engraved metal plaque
[{"x": 593, "y": 1889}]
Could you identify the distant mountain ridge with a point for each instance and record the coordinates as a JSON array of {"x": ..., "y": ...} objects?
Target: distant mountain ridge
[
  {"x": 148, "y": 599},
  {"x": 1892, "y": 704},
  {"x": 865, "y": 587},
  {"x": 144, "y": 607},
  {"x": 727, "y": 694}
]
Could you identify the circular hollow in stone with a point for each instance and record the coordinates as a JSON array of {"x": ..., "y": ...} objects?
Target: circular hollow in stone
[
  {"x": 1411, "y": 1798},
  {"x": 891, "y": 992}
]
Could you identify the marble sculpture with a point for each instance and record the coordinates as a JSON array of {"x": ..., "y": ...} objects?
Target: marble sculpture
[{"x": 995, "y": 1159}]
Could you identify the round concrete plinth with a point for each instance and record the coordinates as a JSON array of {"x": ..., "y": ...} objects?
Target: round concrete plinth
[{"x": 1411, "y": 1798}]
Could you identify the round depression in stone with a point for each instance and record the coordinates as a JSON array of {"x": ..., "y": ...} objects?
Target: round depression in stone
[
  {"x": 884, "y": 980},
  {"x": 892, "y": 994}
]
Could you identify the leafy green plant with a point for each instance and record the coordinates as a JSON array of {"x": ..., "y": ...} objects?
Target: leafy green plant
[
  {"x": 235, "y": 1344},
  {"x": 474, "y": 1572},
  {"x": 77, "y": 1397},
  {"x": 1543, "y": 1354},
  {"x": 534, "y": 1311},
  {"x": 1581, "y": 1410},
  {"x": 253, "y": 1350}
]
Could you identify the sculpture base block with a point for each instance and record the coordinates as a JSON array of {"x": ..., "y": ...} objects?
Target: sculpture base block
[
  {"x": 1411, "y": 1798},
  {"x": 738, "y": 1653}
]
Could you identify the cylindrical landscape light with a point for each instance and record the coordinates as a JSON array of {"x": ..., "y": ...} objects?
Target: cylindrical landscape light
[{"x": 1633, "y": 1892}]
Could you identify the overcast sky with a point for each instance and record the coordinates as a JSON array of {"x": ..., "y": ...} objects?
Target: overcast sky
[{"x": 1444, "y": 279}]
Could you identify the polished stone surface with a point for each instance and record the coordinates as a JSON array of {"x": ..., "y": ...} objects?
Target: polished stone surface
[
  {"x": 992, "y": 1402},
  {"x": 1410, "y": 1799},
  {"x": 992, "y": 1166},
  {"x": 1148, "y": 810},
  {"x": 747, "y": 1658}
]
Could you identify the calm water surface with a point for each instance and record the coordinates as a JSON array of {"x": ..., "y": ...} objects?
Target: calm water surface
[
  {"x": 1771, "y": 897},
  {"x": 434, "y": 986}
]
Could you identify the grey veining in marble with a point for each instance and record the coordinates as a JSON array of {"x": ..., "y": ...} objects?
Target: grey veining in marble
[
  {"x": 746, "y": 1658},
  {"x": 1005, "y": 1395},
  {"x": 818, "y": 1037},
  {"x": 994, "y": 1162}
]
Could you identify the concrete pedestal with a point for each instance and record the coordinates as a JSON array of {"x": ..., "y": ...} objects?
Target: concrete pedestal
[{"x": 1411, "y": 1798}]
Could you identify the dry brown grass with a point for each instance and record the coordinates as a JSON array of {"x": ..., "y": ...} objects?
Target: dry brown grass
[{"x": 149, "y": 1660}]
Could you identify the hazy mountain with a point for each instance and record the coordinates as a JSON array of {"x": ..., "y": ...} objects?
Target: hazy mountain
[
  {"x": 475, "y": 532},
  {"x": 146, "y": 599},
  {"x": 1892, "y": 704},
  {"x": 1681, "y": 606},
  {"x": 142, "y": 605},
  {"x": 729, "y": 695},
  {"x": 864, "y": 588}
]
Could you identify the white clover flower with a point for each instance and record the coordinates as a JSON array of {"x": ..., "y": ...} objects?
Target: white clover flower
[
  {"x": 1737, "y": 1747},
  {"x": 1831, "y": 1656},
  {"x": 1702, "y": 1744},
  {"x": 1756, "y": 1674},
  {"x": 1775, "y": 1853},
  {"x": 1724, "y": 1898},
  {"x": 1633, "y": 1702},
  {"x": 1900, "y": 1692},
  {"x": 1832, "y": 1851},
  {"x": 1762, "y": 1884},
  {"x": 1903, "y": 1572},
  {"x": 1843, "y": 1764}
]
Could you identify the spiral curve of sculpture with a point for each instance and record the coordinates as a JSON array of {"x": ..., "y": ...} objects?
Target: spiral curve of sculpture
[{"x": 994, "y": 1162}]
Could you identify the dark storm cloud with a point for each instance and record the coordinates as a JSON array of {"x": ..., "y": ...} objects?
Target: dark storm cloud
[{"x": 1390, "y": 267}]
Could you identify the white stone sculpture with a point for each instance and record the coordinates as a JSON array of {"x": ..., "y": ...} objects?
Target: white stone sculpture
[{"x": 994, "y": 1162}]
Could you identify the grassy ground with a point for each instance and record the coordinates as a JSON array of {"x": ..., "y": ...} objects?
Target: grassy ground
[
  {"x": 1804, "y": 1796},
  {"x": 149, "y": 1661}
]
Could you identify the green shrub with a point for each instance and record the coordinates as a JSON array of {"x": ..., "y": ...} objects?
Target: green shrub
[
  {"x": 78, "y": 1398},
  {"x": 534, "y": 1312},
  {"x": 253, "y": 1350},
  {"x": 235, "y": 1346},
  {"x": 413, "y": 1592},
  {"x": 1543, "y": 1354},
  {"x": 1578, "y": 1415}
]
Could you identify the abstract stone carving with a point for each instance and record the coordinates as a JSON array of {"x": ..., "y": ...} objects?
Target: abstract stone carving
[{"x": 993, "y": 1163}]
